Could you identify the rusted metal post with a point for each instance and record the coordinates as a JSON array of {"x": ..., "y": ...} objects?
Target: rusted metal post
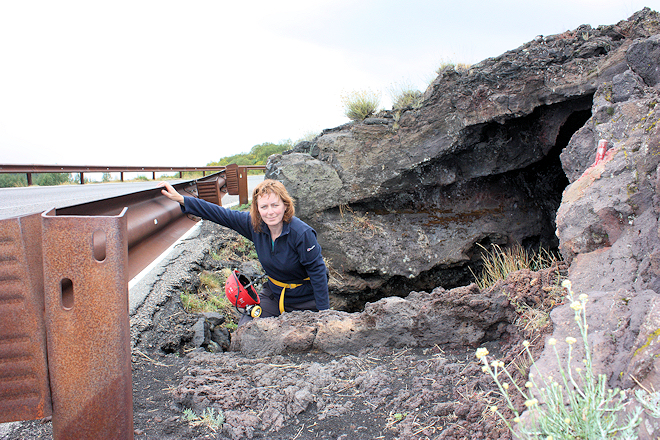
[
  {"x": 153, "y": 176},
  {"x": 121, "y": 176},
  {"x": 82, "y": 178},
  {"x": 29, "y": 179},
  {"x": 231, "y": 176},
  {"x": 211, "y": 189},
  {"x": 86, "y": 303},
  {"x": 242, "y": 186},
  {"x": 24, "y": 387}
]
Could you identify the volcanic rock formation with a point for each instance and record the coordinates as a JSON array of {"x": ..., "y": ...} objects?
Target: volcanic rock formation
[{"x": 404, "y": 201}]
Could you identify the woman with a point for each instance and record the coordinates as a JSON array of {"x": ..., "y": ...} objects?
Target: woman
[{"x": 286, "y": 246}]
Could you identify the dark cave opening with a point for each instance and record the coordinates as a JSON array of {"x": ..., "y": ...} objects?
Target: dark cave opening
[{"x": 543, "y": 181}]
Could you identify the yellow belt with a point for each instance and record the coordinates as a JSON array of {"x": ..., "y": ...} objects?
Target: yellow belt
[{"x": 284, "y": 286}]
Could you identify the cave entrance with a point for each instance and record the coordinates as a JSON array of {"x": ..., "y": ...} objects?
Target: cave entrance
[{"x": 546, "y": 180}]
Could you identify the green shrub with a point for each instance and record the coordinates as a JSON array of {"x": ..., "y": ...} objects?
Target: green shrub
[
  {"x": 359, "y": 105},
  {"x": 575, "y": 405}
]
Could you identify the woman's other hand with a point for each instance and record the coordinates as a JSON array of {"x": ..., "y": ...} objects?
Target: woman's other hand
[{"x": 169, "y": 192}]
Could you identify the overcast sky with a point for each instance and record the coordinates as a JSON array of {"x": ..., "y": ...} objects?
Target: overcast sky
[{"x": 188, "y": 82}]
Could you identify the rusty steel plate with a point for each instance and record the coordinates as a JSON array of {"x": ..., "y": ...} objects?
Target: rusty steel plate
[{"x": 24, "y": 388}]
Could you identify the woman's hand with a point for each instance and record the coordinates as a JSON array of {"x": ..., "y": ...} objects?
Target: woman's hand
[{"x": 169, "y": 192}]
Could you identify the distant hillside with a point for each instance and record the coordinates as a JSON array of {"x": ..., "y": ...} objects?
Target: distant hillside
[{"x": 258, "y": 155}]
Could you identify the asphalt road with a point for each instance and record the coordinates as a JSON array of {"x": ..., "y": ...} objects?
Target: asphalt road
[{"x": 16, "y": 202}]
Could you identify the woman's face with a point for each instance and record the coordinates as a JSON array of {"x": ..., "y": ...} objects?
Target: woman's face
[{"x": 271, "y": 209}]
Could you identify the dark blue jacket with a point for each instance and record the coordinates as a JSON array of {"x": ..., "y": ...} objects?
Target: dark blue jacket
[{"x": 294, "y": 256}]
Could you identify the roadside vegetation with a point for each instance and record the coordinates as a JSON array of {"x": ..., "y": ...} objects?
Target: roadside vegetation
[
  {"x": 210, "y": 296},
  {"x": 45, "y": 179},
  {"x": 258, "y": 155}
]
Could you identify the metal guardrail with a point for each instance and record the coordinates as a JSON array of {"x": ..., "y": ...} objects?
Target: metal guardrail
[
  {"x": 64, "y": 325},
  {"x": 82, "y": 169}
]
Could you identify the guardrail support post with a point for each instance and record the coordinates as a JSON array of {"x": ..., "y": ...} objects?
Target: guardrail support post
[
  {"x": 242, "y": 185},
  {"x": 86, "y": 302}
]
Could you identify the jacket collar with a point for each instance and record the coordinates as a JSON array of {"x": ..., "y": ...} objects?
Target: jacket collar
[{"x": 286, "y": 227}]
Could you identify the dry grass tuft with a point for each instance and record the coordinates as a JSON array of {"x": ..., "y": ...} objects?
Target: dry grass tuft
[
  {"x": 359, "y": 105},
  {"x": 498, "y": 263}
]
